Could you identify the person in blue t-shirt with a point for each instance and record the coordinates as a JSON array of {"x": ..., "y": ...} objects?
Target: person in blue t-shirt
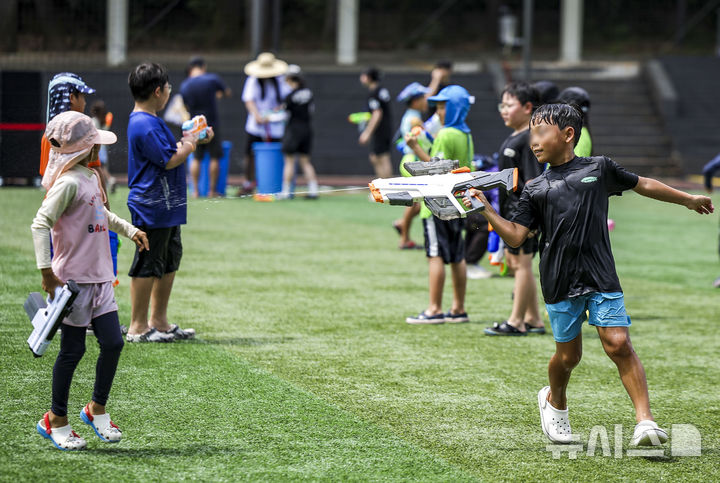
[
  {"x": 200, "y": 92},
  {"x": 157, "y": 202},
  {"x": 708, "y": 172}
]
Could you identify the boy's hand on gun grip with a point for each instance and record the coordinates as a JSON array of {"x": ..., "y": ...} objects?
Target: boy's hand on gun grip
[
  {"x": 50, "y": 281},
  {"x": 141, "y": 240},
  {"x": 700, "y": 204},
  {"x": 474, "y": 193}
]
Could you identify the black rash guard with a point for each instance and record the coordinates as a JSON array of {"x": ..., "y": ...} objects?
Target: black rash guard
[{"x": 569, "y": 203}]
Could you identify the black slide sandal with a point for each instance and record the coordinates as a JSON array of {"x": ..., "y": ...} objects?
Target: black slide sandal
[{"x": 503, "y": 329}]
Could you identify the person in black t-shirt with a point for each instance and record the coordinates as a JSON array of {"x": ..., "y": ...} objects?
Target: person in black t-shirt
[
  {"x": 297, "y": 140},
  {"x": 519, "y": 99},
  {"x": 378, "y": 131},
  {"x": 569, "y": 204}
]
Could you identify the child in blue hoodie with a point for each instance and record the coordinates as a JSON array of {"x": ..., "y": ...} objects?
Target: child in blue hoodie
[{"x": 444, "y": 242}]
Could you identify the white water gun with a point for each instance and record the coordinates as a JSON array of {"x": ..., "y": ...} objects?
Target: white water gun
[
  {"x": 46, "y": 318},
  {"x": 440, "y": 183}
]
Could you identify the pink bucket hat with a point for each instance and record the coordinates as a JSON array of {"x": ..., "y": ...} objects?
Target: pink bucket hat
[{"x": 72, "y": 135}]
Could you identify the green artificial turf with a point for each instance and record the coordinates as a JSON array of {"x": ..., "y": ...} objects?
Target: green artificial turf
[{"x": 303, "y": 367}]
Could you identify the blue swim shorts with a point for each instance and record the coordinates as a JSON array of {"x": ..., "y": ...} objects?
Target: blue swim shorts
[{"x": 605, "y": 310}]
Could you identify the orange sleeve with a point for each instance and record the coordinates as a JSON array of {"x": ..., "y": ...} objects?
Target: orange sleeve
[{"x": 44, "y": 154}]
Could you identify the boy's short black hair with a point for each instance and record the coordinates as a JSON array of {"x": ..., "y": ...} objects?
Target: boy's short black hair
[
  {"x": 560, "y": 115},
  {"x": 196, "y": 61},
  {"x": 444, "y": 64},
  {"x": 145, "y": 78},
  {"x": 373, "y": 73},
  {"x": 523, "y": 92}
]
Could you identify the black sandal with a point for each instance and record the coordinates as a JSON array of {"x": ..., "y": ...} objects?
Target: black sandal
[
  {"x": 503, "y": 329},
  {"x": 534, "y": 330}
]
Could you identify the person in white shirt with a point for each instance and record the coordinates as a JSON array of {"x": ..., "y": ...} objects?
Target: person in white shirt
[{"x": 263, "y": 94}]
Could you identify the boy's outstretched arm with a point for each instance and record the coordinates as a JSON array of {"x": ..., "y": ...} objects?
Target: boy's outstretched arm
[
  {"x": 513, "y": 234},
  {"x": 653, "y": 188}
]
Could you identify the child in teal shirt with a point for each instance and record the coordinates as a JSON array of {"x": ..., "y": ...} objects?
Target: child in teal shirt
[
  {"x": 444, "y": 243},
  {"x": 415, "y": 96}
]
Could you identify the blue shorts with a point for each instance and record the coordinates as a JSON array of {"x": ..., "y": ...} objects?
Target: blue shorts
[{"x": 605, "y": 309}]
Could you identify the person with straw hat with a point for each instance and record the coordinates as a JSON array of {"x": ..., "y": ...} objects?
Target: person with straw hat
[{"x": 263, "y": 95}]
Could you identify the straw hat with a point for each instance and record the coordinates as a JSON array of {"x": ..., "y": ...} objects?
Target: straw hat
[
  {"x": 72, "y": 135},
  {"x": 266, "y": 66}
]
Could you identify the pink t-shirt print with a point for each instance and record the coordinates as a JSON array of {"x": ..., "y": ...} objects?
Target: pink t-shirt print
[{"x": 80, "y": 236}]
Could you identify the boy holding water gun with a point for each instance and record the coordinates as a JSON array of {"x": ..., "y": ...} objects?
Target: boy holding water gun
[
  {"x": 569, "y": 203},
  {"x": 157, "y": 202},
  {"x": 414, "y": 95},
  {"x": 444, "y": 243}
]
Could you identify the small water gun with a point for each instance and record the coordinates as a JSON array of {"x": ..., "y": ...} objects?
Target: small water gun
[
  {"x": 424, "y": 138},
  {"x": 273, "y": 115},
  {"x": 439, "y": 183},
  {"x": 359, "y": 117},
  {"x": 432, "y": 126},
  {"x": 47, "y": 317},
  {"x": 197, "y": 125}
]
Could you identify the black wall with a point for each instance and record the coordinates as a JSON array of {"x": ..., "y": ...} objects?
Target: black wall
[
  {"x": 20, "y": 102},
  {"x": 335, "y": 151}
]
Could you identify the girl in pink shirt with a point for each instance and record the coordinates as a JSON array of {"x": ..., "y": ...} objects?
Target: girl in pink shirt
[{"x": 74, "y": 211}]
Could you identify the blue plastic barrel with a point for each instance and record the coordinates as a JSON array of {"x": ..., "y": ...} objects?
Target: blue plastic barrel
[
  {"x": 268, "y": 167},
  {"x": 204, "y": 177}
]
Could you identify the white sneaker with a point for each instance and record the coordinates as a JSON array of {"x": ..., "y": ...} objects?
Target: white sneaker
[
  {"x": 152, "y": 335},
  {"x": 648, "y": 433},
  {"x": 555, "y": 422},
  {"x": 477, "y": 272},
  {"x": 180, "y": 334}
]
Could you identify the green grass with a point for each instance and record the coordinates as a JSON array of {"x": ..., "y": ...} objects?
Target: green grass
[{"x": 304, "y": 369}]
